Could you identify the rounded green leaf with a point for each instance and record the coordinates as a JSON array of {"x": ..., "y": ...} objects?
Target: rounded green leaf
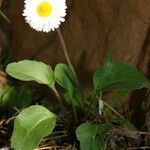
[
  {"x": 30, "y": 126},
  {"x": 29, "y": 70},
  {"x": 118, "y": 76},
  {"x": 91, "y": 136}
]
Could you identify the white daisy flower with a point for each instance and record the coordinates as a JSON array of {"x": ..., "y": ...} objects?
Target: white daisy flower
[{"x": 44, "y": 15}]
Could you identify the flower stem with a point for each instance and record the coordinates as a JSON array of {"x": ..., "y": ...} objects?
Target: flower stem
[
  {"x": 57, "y": 95},
  {"x": 65, "y": 51},
  {"x": 69, "y": 63}
]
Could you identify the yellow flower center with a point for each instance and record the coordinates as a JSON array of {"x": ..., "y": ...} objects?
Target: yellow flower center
[{"x": 44, "y": 9}]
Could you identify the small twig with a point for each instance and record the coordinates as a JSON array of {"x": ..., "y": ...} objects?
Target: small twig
[
  {"x": 1, "y": 3},
  {"x": 117, "y": 113},
  {"x": 60, "y": 132},
  {"x": 105, "y": 147},
  {"x": 14, "y": 116},
  {"x": 73, "y": 147},
  {"x": 134, "y": 148},
  {"x": 17, "y": 110},
  {"x": 58, "y": 137},
  {"x": 140, "y": 132},
  {"x": 49, "y": 147},
  {"x": 10, "y": 119}
]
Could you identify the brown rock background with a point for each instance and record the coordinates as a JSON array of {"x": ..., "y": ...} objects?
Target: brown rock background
[{"x": 90, "y": 29}]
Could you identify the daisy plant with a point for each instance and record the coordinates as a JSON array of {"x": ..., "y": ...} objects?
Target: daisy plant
[
  {"x": 46, "y": 16},
  {"x": 43, "y": 16},
  {"x": 36, "y": 122}
]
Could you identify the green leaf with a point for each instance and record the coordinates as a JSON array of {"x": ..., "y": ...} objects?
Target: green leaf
[
  {"x": 28, "y": 70},
  {"x": 13, "y": 96},
  {"x": 118, "y": 76},
  {"x": 91, "y": 136},
  {"x": 77, "y": 99},
  {"x": 65, "y": 78},
  {"x": 108, "y": 57},
  {"x": 30, "y": 126}
]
